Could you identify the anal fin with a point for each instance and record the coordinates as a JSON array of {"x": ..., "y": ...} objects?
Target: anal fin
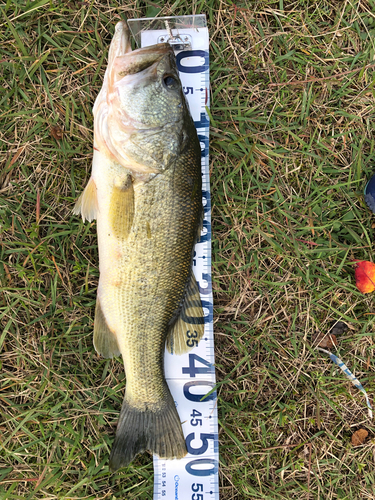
[
  {"x": 105, "y": 341},
  {"x": 87, "y": 203},
  {"x": 188, "y": 329}
]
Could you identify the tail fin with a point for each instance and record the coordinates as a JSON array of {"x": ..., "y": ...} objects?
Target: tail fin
[{"x": 158, "y": 431}]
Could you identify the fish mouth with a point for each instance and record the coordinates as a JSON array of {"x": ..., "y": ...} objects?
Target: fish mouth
[
  {"x": 130, "y": 68},
  {"x": 124, "y": 61},
  {"x": 122, "y": 41},
  {"x": 113, "y": 124}
]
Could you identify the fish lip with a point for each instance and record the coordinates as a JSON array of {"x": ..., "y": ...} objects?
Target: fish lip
[
  {"x": 135, "y": 65},
  {"x": 122, "y": 68},
  {"x": 121, "y": 40},
  {"x": 123, "y": 56},
  {"x": 159, "y": 47},
  {"x": 156, "y": 52}
]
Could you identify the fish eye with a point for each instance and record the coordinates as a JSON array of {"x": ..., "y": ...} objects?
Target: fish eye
[{"x": 170, "y": 82}]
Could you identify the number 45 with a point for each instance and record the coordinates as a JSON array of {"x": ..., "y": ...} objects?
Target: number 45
[{"x": 196, "y": 421}]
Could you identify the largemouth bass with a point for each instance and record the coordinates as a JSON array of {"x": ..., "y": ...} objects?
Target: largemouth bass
[{"x": 145, "y": 192}]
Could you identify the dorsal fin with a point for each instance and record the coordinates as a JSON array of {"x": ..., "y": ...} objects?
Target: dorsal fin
[{"x": 188, "y": 329}]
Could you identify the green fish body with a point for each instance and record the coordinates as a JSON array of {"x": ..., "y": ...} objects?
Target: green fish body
[{"x": 146, "y": 194}]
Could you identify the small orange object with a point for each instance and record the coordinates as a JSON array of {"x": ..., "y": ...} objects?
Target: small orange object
[{"x": 365, "y": 276}]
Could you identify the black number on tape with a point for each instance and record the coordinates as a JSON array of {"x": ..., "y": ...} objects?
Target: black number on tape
[
  {"x": 197, "y": 487},
  {"x": 192, "y": 370},
  {"x": 192, "y": 53},
  {"x": 198, "y": 398},
  {"x": 203, "y": 437},
  {"x": 198, "y": 467}
]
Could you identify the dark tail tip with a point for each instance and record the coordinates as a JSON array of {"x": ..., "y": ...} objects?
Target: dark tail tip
[{"x": 158, "y": 431}]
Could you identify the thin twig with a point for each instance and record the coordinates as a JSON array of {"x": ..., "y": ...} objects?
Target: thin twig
[
  {"x": 282, "y": 446},
  {"x": 309, "y": 472}
]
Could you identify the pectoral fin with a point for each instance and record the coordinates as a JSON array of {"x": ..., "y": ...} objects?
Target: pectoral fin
[
  {"x": 188, "y": 329},
  {"x": 87, "y": 203},
  {"x": 105, "y": 342},
  {"x": 122, "y": 207}
]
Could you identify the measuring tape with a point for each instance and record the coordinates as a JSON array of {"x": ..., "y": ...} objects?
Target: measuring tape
[{"x": 191, "y": 376}]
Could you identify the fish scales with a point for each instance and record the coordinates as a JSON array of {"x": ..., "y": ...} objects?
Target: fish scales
[
  {"x": 149, "y": 276},
  {"x": 145, "y": 193}
]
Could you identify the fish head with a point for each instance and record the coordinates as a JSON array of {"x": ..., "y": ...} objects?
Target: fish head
[{"x": 144, "y": 121}]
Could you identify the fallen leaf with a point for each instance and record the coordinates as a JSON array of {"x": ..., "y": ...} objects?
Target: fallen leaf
[
  {"x": 359, "y": 437},
  {"x": 325, "y": 340},
  {"x": 56, "y": 132},
  {"x": 365, "y": 276}
]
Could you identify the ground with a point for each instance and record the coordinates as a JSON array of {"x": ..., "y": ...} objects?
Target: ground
[{"x": 291, "y": 147}]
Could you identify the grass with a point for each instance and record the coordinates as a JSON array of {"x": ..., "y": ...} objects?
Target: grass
[{"x": 292, "y": 144}]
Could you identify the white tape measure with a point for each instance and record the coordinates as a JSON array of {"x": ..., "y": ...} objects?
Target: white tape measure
[{"x": 191, "y": 376}]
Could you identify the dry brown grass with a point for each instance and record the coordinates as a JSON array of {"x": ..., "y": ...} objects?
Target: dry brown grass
[{"x": 292, "y": 144}]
